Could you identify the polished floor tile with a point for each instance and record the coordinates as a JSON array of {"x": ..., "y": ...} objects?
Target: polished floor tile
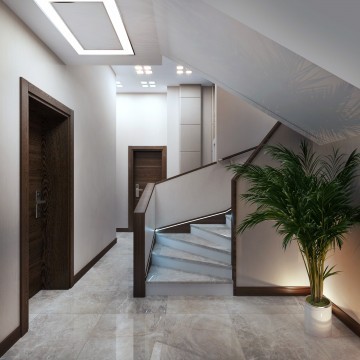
[{"x": 98, "y": 319}]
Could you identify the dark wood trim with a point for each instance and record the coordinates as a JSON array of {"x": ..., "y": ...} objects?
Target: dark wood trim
[
  {"x": 234, "y": 197},
  {"x": 27, "y": 91},
  {"x": 272, "y": 290},
  {"x": 10, "y": 340},
  {"x": 185, "y": 173},
  {"x": 184, "y": 226},
  {"x": 92, "y": 262},
  {"x": 233, "y": 229},
  {"x": 145, "y": 199},
  {"x": 239, "y": 153},
  {"x": 24, "y": 208},
  {"x": 263, "y": 143},
  {"x": 123, "y": 230},
  {"x": 352, "y": 324},
  {"x": 131, "y": 150},
  {"x": 139, "y": 241}
]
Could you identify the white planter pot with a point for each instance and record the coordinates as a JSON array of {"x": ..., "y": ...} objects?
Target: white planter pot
[{"x": 317, "y": 320}]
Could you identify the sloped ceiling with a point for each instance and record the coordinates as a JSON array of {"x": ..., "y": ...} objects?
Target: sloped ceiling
[
  {"x": 295, "y": 91},
  {"x": 325, "y": 32}
]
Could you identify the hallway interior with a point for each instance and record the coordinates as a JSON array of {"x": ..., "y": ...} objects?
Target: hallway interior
[{"x": 99, "y": 319}]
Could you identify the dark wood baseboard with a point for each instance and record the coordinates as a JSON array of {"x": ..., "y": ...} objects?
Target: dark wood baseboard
[
  {"x": 10, "y": 340},
  {"x": 271, "y": 290},
  {"x": 352, "y": 324},
  {"x": 87, "y": 267},
  {"x": 184, "y": 227},
  {"x": 123, "y": 230}
]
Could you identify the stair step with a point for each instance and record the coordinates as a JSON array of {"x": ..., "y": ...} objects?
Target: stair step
[
  {"x": 164, "y": 281},
  {"x": 181, "y": 260},
  {"x": 196, "y": 245},
  {"x": 217, "y": 233}
]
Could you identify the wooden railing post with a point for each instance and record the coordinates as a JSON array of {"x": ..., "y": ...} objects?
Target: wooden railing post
[{"x": 139, "y": 241}]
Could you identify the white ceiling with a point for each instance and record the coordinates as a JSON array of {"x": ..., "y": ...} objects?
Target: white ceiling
[
  {"x": 280, "y": 56},
  {"x": 138, "y": 18},
  {"x": 164, "y": 75}
]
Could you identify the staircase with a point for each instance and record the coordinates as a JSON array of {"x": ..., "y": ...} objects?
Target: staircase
[{"x": 195, "y": 263}]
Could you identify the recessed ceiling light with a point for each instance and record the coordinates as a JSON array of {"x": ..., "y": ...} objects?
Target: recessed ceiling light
[
  {"x": 152, "y": 86},
  {"x": 119, "y": 85},
  {"x": 139, "y": 72},
  {"x": 148, "y": 72},
  {"x": 118, "y": 82},
  {"x": 145, "y": 86},
  {"x": 138, "y": 67},
  {"x": 179, "y": 67},
  {"x": 147, "y": 67},
  {"x": 188, "y": 72},
  {"x": 143, "y": 82},
  {"x": 152, "y": 82},
  {"x": 114, "y": 16},
  {"x": 179, "y": 72}
]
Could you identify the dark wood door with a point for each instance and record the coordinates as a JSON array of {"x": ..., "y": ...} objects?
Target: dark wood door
[
  {"x": 146, "y": 165},
  {"x": 36, "y": 222},
  {"x": 48, "y": 199}
]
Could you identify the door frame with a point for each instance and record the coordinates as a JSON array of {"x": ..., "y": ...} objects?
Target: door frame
[
  {"x": 131, "y": 151},
  {"x": 28, "y": 90}
]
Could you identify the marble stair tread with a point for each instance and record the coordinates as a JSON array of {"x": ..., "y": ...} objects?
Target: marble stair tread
[
  {"x": 219, "y": 229},
  {"x": 196, "y": 240},
  {"x": 159, "y": 274},
  {"x": 169, "y": 252}
]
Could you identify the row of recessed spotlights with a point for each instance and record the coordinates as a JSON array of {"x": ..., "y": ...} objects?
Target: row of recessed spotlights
[
  {"x": 146, "y": 84},
  {"x": 180, "y": 70},
  {"x": 145, "y": 69}
]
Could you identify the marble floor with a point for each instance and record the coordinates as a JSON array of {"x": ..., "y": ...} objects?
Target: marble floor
[{"x": 99, "y": 319}]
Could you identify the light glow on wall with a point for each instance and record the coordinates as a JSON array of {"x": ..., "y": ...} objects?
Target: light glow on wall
[{"x": 114, "y": 16}]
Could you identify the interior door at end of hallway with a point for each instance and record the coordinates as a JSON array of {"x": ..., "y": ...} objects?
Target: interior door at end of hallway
[{"x": 147, "y": 169}]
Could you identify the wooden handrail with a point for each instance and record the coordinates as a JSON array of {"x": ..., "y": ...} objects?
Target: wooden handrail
[
  {"x": 239, "y": 153},
  {"x": 139, "y": 241},
  {"x": 210, "y": 164}
]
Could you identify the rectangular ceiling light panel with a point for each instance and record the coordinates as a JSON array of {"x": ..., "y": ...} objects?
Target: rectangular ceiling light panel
[{"x": 56, "y": 11}]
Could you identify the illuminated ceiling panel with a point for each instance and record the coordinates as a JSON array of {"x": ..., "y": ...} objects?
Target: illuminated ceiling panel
[{"x": 92, "y": 27}]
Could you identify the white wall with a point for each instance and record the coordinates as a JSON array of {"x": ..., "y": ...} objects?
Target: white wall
[
  {"x": 239, "y": 125},
  {"x": 90, "y": 92},
  {"x": 141, "y": 120},
  {"x": 261, "y": 260}
]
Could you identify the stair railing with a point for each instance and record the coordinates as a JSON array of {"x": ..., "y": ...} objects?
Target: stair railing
[{"x": 144, "y": 232}]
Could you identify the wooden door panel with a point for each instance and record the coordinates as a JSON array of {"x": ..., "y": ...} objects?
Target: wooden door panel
[
  {"x": 35, "y": 225},
  {"x": 146, "y": 165},
  {"x": 147, "y": 169}
]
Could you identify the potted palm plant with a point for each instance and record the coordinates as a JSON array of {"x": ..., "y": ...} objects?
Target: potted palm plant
[{"x": 309, "y": 199}]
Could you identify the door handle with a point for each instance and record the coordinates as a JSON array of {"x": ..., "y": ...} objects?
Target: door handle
[
  {"x": 137, "y": 190},
  {"x": 38, "y": 203}
]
